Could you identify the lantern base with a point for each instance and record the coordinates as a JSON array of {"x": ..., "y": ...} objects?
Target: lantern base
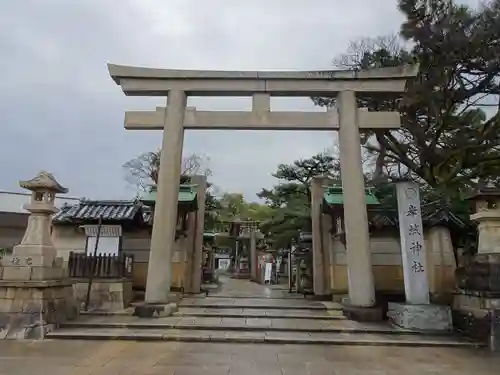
[{"x": 29, "y": 309}]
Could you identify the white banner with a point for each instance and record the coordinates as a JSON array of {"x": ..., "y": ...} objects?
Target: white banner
[
  {"x": 106, "y": 245},
  {"x": 106, "y": 230},
  {"x": 268, "y": 271}
]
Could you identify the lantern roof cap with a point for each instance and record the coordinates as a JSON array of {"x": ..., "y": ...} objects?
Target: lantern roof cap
[
  {"x": 484, "y": 191},
  {"x": 43, "y": 181}
]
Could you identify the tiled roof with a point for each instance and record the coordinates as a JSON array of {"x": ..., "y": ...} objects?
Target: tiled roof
[
  {"x": 378, "y": 217},
  {"x": 437, "y": 216},
  {"x": 187, "y": 194},
  {"x": 380, "y": 220},
  {"x": 333, "y": 196},
  {"x": 109, "y": 211}
]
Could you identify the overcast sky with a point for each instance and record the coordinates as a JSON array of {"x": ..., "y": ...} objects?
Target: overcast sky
[{"x": 60, "y": 111}]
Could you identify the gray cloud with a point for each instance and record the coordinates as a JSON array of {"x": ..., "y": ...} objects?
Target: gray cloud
[{"x": 60, "y": 111}]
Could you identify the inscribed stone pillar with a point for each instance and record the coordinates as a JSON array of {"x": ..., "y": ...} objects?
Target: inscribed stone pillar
[
  {"x": 413, "y": 252},
  {"x": 359, "y": 267},
  {"x": 165, "y": 216}
]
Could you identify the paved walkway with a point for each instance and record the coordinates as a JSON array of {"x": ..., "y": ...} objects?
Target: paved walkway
[
  {"x": 240, "y": 313},
  {"x": 243, "y": 288},
  {"x": 167, "y": 358}
]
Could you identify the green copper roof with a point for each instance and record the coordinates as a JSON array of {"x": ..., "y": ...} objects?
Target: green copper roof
[
  {"x": 333, "y": 196},
  {"x": 187, "y": 194}
]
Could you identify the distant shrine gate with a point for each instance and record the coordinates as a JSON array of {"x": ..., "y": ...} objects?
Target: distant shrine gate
[{"x": 345, "y": 117}]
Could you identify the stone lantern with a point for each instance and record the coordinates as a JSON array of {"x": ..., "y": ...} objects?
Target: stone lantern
[
  {"x": 482, "y": 274},
  {"x": 37, "y": 244},
  {"x": 39, "y": 297},
  {"x": 476, "y": 303},
  {"x": 487, "y": 215}
]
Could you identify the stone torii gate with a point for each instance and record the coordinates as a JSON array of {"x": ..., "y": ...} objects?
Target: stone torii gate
[{"x": 346, "y": 118}]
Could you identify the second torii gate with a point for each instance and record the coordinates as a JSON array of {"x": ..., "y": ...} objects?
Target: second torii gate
[{"x": 346, "y": 118}]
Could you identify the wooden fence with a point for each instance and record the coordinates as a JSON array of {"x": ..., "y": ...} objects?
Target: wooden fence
[{"x": 100, "y": 266}]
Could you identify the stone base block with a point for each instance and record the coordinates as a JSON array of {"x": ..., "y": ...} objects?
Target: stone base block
[
  {"x": 26, "y": 273},
  {"x": 476, "y": 314},
  {"x": 362, "y": 314},
  {"x": 481, "y": 274},
  {"x": 105, "y": 294},
  {"x": 29, "y": 309},
  {"x": 425, "y": 318},
  {"x": 32, "y": 261},
  {"x": 48, "y": 252},
  {"x": 147, "y": 310},
  {"x": 475, "y": 300}
]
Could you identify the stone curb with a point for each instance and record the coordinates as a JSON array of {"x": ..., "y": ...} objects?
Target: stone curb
[
  {"x": 264, "y": 340},
  {"x": 191, "y": 327}
]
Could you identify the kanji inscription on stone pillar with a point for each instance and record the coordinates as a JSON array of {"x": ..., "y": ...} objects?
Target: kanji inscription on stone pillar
[{"x": 412, "y": 243}]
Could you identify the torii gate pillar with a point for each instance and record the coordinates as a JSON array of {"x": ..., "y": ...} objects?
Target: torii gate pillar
[{"x": 165, "y": 216}]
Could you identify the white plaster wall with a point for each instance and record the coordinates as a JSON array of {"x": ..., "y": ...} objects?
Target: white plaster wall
[
  {"x": 138, "y": 244},
  {"x": 10, "y": 236},
  {"x": 67, "y": 239},
  {"x": 386, "y": 250}
]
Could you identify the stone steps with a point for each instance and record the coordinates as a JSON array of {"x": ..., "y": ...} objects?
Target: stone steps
[
  {"x": 255, "y": 314},
  {"x": 253, "y": 303},
  {"x": 247, "y": 330},
  {"x": 260, "y": 337},
  {"x": 250, "y": 320},
  {"x": 230, "y": 324},
  {"x": 252, "y": 312},
  {"x": 253, "y": 306},
  {"x": 252, "y": 296}
]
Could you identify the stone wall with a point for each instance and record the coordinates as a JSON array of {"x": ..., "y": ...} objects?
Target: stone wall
[
  {"x": 477, "y": 315},
  {"x": 25, "y": 305},
  {"x": 105, "y": 294}
]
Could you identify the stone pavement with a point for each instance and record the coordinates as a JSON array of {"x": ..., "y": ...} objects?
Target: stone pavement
[
  {"x": 166, "y": 358},
  {"x": 244, "y": 312},
  {"x": 236, "y": 288},
  {"x": 235, "y": 314}
]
